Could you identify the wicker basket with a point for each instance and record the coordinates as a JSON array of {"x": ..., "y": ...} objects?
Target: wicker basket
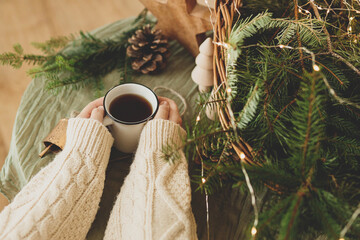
[{"x": 226, "y": 11}]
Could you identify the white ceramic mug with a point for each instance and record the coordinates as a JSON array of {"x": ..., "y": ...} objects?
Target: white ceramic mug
[{"x": 127, "y": 134}]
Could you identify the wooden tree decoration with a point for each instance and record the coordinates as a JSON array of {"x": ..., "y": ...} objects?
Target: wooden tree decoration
[
  {"x": 183, "y": 20},
  {"x": 203, "y": 72}
]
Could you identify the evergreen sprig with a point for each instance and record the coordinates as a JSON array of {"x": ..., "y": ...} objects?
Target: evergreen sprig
[
  {"x": 81, "y": 61},
  {"x": 299, "y": 126}
]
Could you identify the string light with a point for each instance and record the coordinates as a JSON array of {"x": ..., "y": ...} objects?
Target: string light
[
  {"x": 348, "y": 225},
  {"x": 253, "y": 231},
  {"x": 207, "y": 214},
  {"x": 287, "y": 47},
  {"x": 304, "y": 11},
  {"x": 211, "y": 15},
  {"x": 339, "y": 99},
  {"x": 316, "y": 67},
  {"x": 242, "y": 155},
  {"x": 203, "y": 180},
  {"x": 349, "y": 8},
  {"x": 222, "y": 44},
  {"x": 252, "y": 194}
]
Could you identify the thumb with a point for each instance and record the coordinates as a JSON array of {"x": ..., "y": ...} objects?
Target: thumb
[
  {"x": 98, "y": 114},
  {"x": 164, "y": 110}
]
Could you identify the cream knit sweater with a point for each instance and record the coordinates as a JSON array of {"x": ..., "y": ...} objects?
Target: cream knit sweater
[
  {"x": 154, "y": 201},
  {"x": 61, "y": 201}
]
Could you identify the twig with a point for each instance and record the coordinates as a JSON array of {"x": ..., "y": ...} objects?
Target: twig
[
  {"x": 300, "y": 196},
  {"x": 298, "y": 34},
  {"x": 329, "y": 43}
]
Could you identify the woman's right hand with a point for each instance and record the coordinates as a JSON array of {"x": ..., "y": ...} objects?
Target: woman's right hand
[{"x": 168, "y": 110}]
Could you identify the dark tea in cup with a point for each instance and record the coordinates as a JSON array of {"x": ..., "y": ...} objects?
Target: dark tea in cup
[{"x": 130, "y": 108}]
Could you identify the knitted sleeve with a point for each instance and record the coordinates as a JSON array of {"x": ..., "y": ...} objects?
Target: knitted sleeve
[
  {"x": 60, "y": 202},
  {"x": 154, "y": 201}
]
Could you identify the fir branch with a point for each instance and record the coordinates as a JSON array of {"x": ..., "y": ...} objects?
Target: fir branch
[
  {"x": 311, "y": 146},
  {"x": 249, "y": 109},
  {"x": 83, "y": 63},
  {"x": 50, "y": 46},
  {"x": 290, "y": 217},
  {"x": 244, "y": 29},
  {"x": 273, "y": 216},
  {"x": 17, "y": 58},
  {"x": 308, "y": 126},
  {"x": 309, "y": 31}
]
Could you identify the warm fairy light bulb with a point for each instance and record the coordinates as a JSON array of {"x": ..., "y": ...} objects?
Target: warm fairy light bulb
[
  {"x": 281, "y": 46},
  {"x": 253, "y": 231},
  {"x": 349, "y": 29},
  {"x": 198, "y": 118},
  {"x": 328, "y": 11},
  {"x": 242, "y": 156},
  {"x": 316, "y": 68},
  {"x": 229, "y": 90},
  {"x": 341, "y": 238},
  {"x": 351, "y": 18},
  {"x": 203, "y": 180}
]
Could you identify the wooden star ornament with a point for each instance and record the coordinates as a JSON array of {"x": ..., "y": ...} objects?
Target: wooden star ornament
[{"x": 183, "y": 20}]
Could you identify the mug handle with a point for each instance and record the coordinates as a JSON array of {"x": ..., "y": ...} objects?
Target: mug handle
[{"x": 107, "y": 121}]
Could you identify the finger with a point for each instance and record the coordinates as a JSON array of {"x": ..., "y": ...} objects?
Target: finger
[
  {"x": 98, "y": 114},
  {"x": 86, "y": 112},
  {"x": 174, "y": 114},
  {"x": 163, "y": 111}
]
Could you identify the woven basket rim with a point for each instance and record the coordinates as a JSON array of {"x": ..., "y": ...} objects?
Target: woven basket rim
[{"x": 225, "y": 12}]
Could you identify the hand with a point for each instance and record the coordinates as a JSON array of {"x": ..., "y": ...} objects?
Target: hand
[
  {"x": 168, "y": 110},
  {"x": 94, "y": 110}
]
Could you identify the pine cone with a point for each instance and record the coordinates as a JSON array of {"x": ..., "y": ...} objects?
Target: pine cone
[{"x": 148, "y": 50}]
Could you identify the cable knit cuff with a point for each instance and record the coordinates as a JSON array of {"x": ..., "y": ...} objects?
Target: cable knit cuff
[
  {"x": 158, "y": 133},
  {"x": 87, "y": 136}
]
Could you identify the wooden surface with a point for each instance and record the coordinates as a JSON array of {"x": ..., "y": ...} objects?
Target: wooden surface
[
  {"x": 191, "y": 19},
  {"x": 36, "y": 21}
]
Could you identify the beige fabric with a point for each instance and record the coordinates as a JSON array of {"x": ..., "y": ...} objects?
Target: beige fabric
[
  {"x": 154, "y": 202},
  {"x": 61, "y": 201}
]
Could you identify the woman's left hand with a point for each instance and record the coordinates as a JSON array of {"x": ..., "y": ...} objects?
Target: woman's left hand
[{"x": 94, "y": 110}]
